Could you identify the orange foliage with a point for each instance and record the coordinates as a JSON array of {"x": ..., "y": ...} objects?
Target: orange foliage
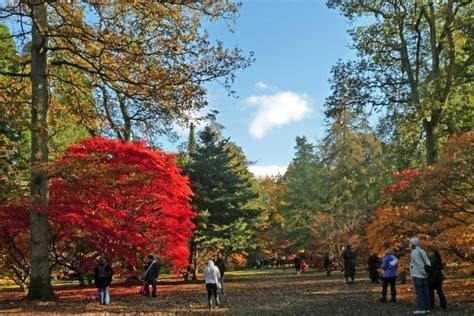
[{"x": 435, "y": 203}]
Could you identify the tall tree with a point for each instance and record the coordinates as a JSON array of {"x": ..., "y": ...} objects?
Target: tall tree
[
  {"x": 302, "y": 194},
  {"x": 151, "y": 57},
  {"x": 222, "y": 190},
  {"x": 415, "y": 60}
]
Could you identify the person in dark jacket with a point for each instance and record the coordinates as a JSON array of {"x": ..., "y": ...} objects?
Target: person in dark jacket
[
  {"x": 219, "y": 263},
  {"x": 297, "y": 262},
  {"x": 103, "y": 278},
  {"x": 327, "y": 263},
  {"x": 349, "y": 257},
  {"x": 435, "y": 279},
  {"x": 389, "y": 267},
  {"x": 151, "y": 275},
  {"x": 373, "y": 264}
]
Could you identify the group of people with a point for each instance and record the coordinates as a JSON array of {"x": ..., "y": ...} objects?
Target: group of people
[
  {"x": 103, "y": 274},
  {"x": 425, "y": 270}
]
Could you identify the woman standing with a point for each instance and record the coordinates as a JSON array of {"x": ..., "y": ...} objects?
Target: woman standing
[
  {"x": 435, "y": 280},
  {"x": 211, "y": 278},
  {"x": 389, "y": 267}
]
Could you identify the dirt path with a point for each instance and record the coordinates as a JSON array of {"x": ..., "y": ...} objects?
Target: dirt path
[{"x": 264, "y": 293}]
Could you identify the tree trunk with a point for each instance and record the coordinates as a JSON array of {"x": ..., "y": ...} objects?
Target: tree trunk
[
  {"x": 40, "y": 279},
  {"x": 430, "y": 143}
]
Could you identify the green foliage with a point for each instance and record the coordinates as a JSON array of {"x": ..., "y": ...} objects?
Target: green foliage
[
  {"x": 415, "y": 68},
  {"x": 223, "y": 191}
]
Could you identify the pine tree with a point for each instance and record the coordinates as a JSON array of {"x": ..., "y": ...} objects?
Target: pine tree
[{"x": 223, "y": 191}]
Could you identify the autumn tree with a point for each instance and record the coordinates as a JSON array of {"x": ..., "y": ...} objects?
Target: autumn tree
[
  {"x": 435, "y": 202},
  {"x": 414, "y": 67},
  {"x": 118, "y": 199},
  {"x": 146, "y": 62}
]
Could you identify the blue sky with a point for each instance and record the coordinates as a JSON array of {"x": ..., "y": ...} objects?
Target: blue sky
[{"x": 281, "y": 95}]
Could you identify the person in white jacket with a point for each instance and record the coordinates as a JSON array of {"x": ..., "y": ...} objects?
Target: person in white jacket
[
  {"x": 211, "y": 278},
  {"x": 418, "y": 261}
]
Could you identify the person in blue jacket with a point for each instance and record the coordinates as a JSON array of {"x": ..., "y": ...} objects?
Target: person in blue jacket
[{"x": 389, "y": 267}]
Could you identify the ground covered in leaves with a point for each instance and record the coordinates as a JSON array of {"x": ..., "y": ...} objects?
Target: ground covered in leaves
[{"x": 269, "y": 292}]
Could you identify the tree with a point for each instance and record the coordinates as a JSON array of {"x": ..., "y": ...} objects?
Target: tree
[
  {"x": 117, "y": 199},
  {"x": 151, "y": 56},
  {"x": 223, "y": 191},
  {"x": 415, "y": 63},
  {"x": 435, "y": 202},
  {"x": 302, "y": 194}
]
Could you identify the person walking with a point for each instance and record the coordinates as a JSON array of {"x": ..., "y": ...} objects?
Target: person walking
[
  {"x": 211, "y": 279},
  {"x": 419, "y": 267},
  {"x": 373, "y": 266},
  {"x": 327, "y": 263},
  {"x": 150, "y": 276},
  {"x": 349, "y": 257},
  {"x": 221, "y": 266},
  {"x": 103, "y": 278},
  {"x": 389, "y": 267},
  {"x": 435, "y": 279}
]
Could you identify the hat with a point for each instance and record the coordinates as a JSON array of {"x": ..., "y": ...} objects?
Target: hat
[{"x": 415, "y": 241}]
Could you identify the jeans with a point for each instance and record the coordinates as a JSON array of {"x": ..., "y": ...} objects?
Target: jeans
[
  {"x": 393, "y": 290},
  {"x": 422, "y": 293},
  {"x": 103, "y": 292},
  {"x": 438, "y": 286}
]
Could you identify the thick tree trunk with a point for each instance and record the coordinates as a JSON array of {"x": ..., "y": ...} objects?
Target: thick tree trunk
[{"x": 40, "y": 280}]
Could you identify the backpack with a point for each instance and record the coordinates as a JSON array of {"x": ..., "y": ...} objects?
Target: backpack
[{"x": 102, "y": 272}]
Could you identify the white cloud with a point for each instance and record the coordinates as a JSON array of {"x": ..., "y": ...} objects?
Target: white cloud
[
  {"x": 262, "y": 85},
  {"x": 272, "y": 170},
  {"x": 274, "y": 110}
]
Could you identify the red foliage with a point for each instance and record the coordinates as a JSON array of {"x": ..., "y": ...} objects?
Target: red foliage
[
  {"x": 403, "y": 180},
  {"x": 121, "y": 199}
]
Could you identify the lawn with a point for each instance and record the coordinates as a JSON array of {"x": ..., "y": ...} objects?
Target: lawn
[{"x": 250, "y": 292}]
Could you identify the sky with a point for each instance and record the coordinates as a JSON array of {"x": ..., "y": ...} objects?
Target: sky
[{"x": 281, "y": 95}]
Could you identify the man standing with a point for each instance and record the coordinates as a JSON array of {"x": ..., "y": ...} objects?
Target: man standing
[
  {"x": 349, "y": 257},
  {"x": 419, "y": 267},
  {"x": 103, "y": 277},
  {"x": 151, "y": 275},
  {"x": 221, "y": 266},
  {"x": 327, "y": 263}
]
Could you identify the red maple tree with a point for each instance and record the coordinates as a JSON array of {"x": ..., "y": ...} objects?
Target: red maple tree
[
  {"x": 108, "y": 197},
  {"x": 122, "y": 199}
]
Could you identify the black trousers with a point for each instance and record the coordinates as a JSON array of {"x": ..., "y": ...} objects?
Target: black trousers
[
  {"x": 393, "y": 290},
  {"x": 212, "y": 291},
  {"x": 153, "y": 287},
  {"x": 438, "y": 286}
]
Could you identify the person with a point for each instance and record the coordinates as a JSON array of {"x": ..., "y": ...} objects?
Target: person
[
  {"x": 211, "y": 279},
  {"x": 349, "y": 257},
  {"x": 389, "y": 267},
  {"x": 419, "y": 267},
  {"x": 150, "y": 276},
  {"x": 303, "y": 266},
  {"x": 374, "y": 263},
  {"x": 221, "y": 266},
  {"x": 435, "y": 279},
  {"x": 103, "y": 278},
  {"x": 297, "y": 262},
  {"x": 327, "y": 263}
]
